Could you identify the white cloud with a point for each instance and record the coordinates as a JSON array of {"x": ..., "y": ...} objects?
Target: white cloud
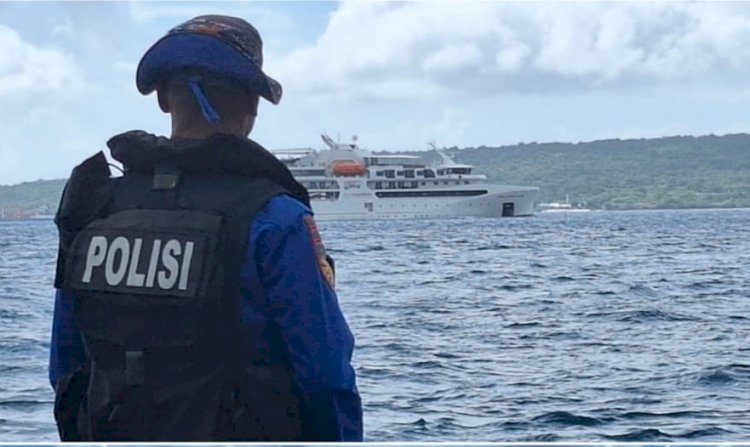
[
  {"x": 452, "y": 57},
  {"x": 481, "y": 48},
  {"x": 28, "y": 71},
  {"x": 512, "y": 57},
  {"x": 64, "y": 29},
  {"x": 448, "y": 130}
]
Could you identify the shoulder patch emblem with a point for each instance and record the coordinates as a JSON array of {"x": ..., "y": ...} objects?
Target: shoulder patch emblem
[{"x": 326, "y": 270}]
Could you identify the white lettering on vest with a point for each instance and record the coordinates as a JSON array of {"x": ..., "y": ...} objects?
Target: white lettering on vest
[
  {"x": 171, "y": 249},
  {"x": 152, "y": 264},
  {"x": 185, "y": 271},
  {"x": 168, "y": 267},
  {"x": 135, "y": 279},
  {"x": 95, "y": 256},
  {"x": 121, "y": 245}
]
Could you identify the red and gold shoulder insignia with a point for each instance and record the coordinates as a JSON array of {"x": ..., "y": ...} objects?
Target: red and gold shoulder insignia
[{"x": 326, "y": 270}]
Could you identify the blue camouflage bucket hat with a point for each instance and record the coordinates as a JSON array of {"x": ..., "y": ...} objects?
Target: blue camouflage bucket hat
[{"x": 221, "y": 46}]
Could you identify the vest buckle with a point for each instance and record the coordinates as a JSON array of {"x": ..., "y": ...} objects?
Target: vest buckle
[{"x": 135, "y": 368}]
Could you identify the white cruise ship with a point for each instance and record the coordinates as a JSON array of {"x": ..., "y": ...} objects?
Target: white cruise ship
[{"x": 347, "y": 182}]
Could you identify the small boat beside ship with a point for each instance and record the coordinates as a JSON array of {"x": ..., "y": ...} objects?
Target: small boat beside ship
[
  {"x": 562, "y": 207},
  {"x": 347, "y": 182}
]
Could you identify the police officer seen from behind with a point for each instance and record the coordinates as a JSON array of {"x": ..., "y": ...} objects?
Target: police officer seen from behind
[{"x": 195, "y": 301}]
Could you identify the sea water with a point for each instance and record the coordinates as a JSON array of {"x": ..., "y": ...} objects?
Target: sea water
[{"x": 601, "y": 326}]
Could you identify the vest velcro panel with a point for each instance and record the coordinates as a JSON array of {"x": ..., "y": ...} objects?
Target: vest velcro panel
[{"x": 143, "y": 277}]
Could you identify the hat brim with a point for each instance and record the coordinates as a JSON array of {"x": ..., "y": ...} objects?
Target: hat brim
[{"x": 180, "y": 52}]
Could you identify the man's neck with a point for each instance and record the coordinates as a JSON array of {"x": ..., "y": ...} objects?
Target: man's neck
[
  {"x": 202, "y": 130},
  {"x": 201, "y": 134}
]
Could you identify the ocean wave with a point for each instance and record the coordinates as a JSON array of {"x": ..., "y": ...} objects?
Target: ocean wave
[
  {"x": 567, "y": 418},
  {"x": 641, "y": 435}
]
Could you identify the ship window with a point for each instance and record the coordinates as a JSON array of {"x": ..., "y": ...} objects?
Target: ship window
[
  {"x": 420, "y": 172},
  {"x": 445, "y": 183},
  {"x": 313, "y": 185},
  {"x": 413, "y": 184},
  {"x": 379, "y": 174},
  {"x": 308, "y": 172},
  {"x": 431, "y": 193},
  {"x": 378, "y": 185},
  {"x": 429, "y": 173},
  {"x": 409, "y": 173},
  {"x": 437, "y": 183},
  {"x": 390, "y": 173},
  {"x": 400, "y": 173},
  {"x": 424, "y": 183},
  {"x": 466, "y": 182}
]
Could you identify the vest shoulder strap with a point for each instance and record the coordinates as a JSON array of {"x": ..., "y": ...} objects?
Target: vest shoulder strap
[{"x": 84, "y": 199}]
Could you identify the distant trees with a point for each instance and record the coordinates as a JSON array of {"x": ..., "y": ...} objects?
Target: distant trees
[
  {"x": 30, "y": 198},
  {"x": 670, "y": 172}
]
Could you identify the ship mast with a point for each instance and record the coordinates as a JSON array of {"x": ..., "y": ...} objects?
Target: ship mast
[{"x": 328, "y": 141}]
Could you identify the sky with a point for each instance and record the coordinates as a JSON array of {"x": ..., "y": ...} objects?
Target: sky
[{"x": 395, "y": 74}]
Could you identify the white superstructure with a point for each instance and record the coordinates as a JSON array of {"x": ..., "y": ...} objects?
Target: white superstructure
[{"x": 348, "y": 182}]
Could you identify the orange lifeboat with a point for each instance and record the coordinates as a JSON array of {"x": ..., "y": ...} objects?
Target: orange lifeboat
[{"x": 348, "y": 168}]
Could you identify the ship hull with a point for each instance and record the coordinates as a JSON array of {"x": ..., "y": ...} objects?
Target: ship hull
[{"x": 500, "y": 201}]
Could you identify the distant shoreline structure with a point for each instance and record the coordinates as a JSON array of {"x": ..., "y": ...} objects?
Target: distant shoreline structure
[
  {"x": 18, "y": 212},
  {"x": 562, "y": 207},
  {"x": 28, "y": 218}
]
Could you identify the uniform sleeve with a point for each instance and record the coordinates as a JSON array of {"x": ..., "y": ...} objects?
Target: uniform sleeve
[
  {"x": 66, "y": 347},
  {"x": 313, "y": 328}
]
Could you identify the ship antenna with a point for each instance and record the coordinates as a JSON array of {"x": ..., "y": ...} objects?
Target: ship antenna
[
  {"x": 445, "y": 159},
  {"x": 328, "y": 141}
]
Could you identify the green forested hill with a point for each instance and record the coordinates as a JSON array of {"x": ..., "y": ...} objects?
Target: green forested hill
[
  {"x": 39, "y": 197},
  {"x": 671, "y": 172}
]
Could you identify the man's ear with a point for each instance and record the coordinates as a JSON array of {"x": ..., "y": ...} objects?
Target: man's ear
[{"x": 161, "y": 95}]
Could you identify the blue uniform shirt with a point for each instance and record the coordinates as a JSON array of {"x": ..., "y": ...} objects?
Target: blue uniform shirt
[{"x": 282, "y": 265}]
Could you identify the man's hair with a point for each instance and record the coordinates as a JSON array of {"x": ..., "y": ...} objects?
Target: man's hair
[{"x": 228, "y": 98}]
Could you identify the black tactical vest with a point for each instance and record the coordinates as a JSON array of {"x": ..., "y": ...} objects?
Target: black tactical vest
[{"x": 153, "y": 260}]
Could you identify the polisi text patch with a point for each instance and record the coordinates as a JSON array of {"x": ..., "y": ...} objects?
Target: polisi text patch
[
  {"x": 127, "y": 261},
  {"x": 119, "y": 260}
]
